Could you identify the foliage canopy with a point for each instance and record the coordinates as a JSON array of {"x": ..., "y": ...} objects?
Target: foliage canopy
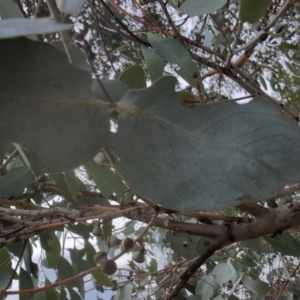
[{"x": 121, "y": 131}]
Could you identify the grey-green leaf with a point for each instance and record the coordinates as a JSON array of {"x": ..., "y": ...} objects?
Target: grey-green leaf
[
  {"x": 106, "y": 180},
  {"x": 286, "y": 244},
  {"x": 134, "y": 77},
  {"x": 155, "y": 63},
  {"x": 176, "y": 156},
  {"x": 20, "y": 26},
  {"x": 4, "y": 277},
  {"x": 201, "y": 7},
  {"x": 15, "y": 181},
  {"x": 222, "y": 271},
  {"x": 252, "y": 10},
  {"x": 172, "y": 51},
  {"x": 256, "y": 286},
  {"x": 8, "y": 9},
  {"x": 55, "y": 114},
  {"x": 206, "y": 286},
  {"x": 115, "y": 89},
  {"x": 70, "y": 6},
  {"x": 77, "y": 56}
]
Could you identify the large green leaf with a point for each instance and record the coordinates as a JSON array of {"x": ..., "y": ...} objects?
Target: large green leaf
[
  {"x": 201, "y": 7},
  {"x": 48, "y": 111},
  {"x": 20, "y": 26},
  {"x": 206, "y": 157},
  {"x": 15, "y": 181},
  {"x": 252, "y": 10},
  {"x": 174, "y": 52}
]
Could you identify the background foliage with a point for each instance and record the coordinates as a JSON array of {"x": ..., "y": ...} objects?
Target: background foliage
[{"x": 121, "y": 133}]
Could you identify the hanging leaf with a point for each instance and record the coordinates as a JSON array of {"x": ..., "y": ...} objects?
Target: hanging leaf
[
  {"x": 4, "y": 277},
  {"x": 60, "y": 181},
  {"x": 252, "y": 10},
  {"x": 72, "y": 183},
  {"x": 25, "y": 283},
  {"x": 172, "y": 51},
  {"x": 15, "y": 181},
  {"x": 106, "y": 180},
  {"x": 155, "y": 63},
  {"x": 16, "y": 27},
  {"x": 201, "y": 7},
  {"x": 176, "y": 156},
  {"x": 53, "y": 112}
]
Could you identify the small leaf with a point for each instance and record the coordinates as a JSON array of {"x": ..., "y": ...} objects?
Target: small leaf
[
  {"x": 222, "y": 273},
  {"x": 286, "y": 244},
  {"x": 206, "y": 287},
  {"x": 134, "y": 77},
  {"x": 102, "y": 278},
  {"x": 25, "y": 283},
  {"x": 20, "y": 26},
  {"x": 70, "y": 6},
  {"x": 201, "y": 7},
  {"x": 155, "y": 63},
  {"x": 256, "y": 286},
  {"x": 15, "y": 181},
  {"x": 174, "y": 52},
  {"x": 252, "y": 10}
]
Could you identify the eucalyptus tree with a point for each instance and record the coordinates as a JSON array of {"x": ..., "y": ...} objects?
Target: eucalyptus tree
[{"x": 130, "y": 168}]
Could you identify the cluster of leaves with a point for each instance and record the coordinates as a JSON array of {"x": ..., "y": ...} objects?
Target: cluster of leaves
[{"x": 176, "y": 141}]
